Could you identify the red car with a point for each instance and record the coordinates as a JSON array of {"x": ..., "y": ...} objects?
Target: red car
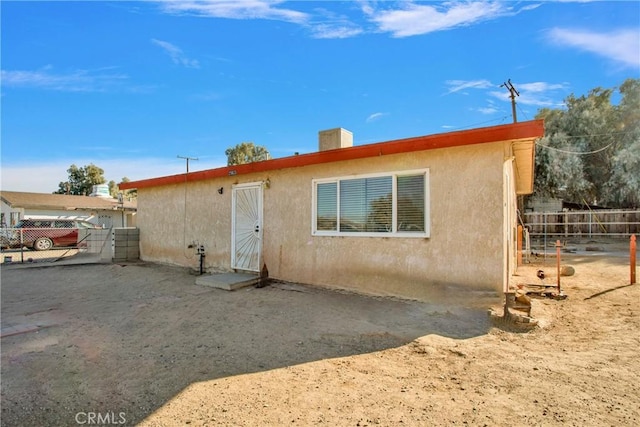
[{"x": 44, "y": 234}]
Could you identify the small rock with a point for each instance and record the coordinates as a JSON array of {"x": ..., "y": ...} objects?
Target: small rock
[{"x": 567, "y": 270}]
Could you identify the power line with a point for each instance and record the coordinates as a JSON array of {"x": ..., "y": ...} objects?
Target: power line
[
  {"x": 523, "y": 112},
  {"x": 596, "y": 134},
  {"x": 575, "y": 152},
  {"x": 584, "y": 153},
  {"x": 502, "y": 119}
]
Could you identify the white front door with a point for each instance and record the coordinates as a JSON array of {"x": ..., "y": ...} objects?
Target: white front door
[{"x": 246, "y": 239}]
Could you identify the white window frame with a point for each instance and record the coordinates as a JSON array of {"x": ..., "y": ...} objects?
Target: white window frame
[{"x": 394, "y": 233}]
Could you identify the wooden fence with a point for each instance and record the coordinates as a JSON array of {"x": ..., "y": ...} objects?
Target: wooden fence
[{"x": 582, "y": 224}]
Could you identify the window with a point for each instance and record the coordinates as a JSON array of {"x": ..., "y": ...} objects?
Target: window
[{"x": 392, "y": 204}]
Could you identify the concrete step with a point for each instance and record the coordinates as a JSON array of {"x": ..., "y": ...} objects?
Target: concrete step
[{"x": 228, "y": 281}]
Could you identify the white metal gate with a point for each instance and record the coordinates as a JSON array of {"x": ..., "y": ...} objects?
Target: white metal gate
[{"x": 246, "y": 238}]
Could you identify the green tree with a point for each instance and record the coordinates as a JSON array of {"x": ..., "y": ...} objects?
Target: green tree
[
  {"x": 114, "y": 190},
  {"x": 623, "y": 188},
  {"x": 81, "y": 180},
  {"x": 246, "y": 152},
  {"x": 591, "y": 150}
]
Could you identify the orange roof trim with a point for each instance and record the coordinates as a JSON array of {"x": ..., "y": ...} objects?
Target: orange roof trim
[{"x": 517, "y": 131}]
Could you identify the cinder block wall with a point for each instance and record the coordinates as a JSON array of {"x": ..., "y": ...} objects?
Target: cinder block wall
[{"x": 126, "y": 244}]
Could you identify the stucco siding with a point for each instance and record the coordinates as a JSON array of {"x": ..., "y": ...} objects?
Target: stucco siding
[
  {"x": 465, "y": 246},
  {"x": 171, "y": 218}
]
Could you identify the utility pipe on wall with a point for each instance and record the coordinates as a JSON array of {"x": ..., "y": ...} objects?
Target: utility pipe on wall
[{"x": 519, "y": 245}]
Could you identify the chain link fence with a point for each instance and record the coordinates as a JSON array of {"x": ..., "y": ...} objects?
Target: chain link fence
[{"x": 51, "y": 244}]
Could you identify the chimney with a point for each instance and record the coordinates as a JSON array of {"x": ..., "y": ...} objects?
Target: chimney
[{"x": 332, "y": 139}]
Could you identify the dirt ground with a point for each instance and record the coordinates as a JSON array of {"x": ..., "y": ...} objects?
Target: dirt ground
[{"x": 143, "y": 345}]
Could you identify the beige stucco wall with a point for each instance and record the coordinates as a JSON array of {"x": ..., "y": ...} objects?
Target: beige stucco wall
[
  {"x": 170, "y": 218},
  {"x": 466, "y": 246}
]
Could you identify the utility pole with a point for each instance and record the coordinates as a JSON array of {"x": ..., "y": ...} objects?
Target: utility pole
[
  {"x": 513, "y": 92},
  {"x": 187, "y": 159}
]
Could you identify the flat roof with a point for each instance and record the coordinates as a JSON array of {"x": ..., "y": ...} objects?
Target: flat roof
[{"x": 525, "y": 133}]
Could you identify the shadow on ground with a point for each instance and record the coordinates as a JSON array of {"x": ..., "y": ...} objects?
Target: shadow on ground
[{"x": 124, "y": 339}]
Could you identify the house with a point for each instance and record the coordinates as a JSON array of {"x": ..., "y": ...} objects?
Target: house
[
  {"x": 99, "y": 210},
  {"x": 407, "y": 217}
]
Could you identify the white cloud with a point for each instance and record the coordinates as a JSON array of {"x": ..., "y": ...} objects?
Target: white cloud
[
  {"x": 333, "y": 31},
  {"x": 376, "y": 116},
  {"x": 541, "y": 94},
  {"x": 409, "y": 19},
  {"x": 326, "y": 24},
  {"x": 538, "y": 87},
  {"x": 621, "y": 46},
  {"x": 176, "y": 54},
  {"x": 488, "y": 110},
  {"x": 323, "y": 25},
  {"x": 415, "y": 19},
  {"x": 234, "y": 9},
  {"x": 462, "y": 85},
  {"x": 73, "y": 81}
]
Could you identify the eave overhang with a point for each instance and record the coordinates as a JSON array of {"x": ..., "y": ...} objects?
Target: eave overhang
[
  {"x": 524, "y": 153},
  {"x": 522, "y": 134}
]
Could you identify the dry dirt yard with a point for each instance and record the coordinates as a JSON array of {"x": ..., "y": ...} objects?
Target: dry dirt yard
[{"x": 143, "y": 345}]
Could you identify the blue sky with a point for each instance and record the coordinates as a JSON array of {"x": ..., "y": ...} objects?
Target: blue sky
[{"x": 129, "y": 86}]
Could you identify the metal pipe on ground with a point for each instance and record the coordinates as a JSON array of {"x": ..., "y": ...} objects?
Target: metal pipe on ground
[
  {"x": 558, "y": 246},
  {"x": 632, "y": 258}
]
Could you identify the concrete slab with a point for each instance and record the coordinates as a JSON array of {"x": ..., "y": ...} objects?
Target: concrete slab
[
  {"x": 17, "y": 330},
  {"x": 228, "y": 281}
]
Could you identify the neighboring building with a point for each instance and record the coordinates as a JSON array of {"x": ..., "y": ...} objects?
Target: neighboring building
[
  {"x": 550, "y": 204},
  {"x": 408, "y": 217},
  {"x": 543, "y": 204},
  {"x": 99, "y": 210}
]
